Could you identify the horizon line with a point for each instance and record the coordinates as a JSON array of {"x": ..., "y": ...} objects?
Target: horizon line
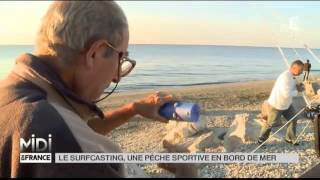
[{"x": 173, "y": 44}]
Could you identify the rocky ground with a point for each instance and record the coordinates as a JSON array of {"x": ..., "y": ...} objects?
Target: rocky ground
[{"x": 220, "y": 104}]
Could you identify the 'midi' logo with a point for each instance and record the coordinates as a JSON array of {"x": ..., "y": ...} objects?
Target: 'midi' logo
[
  {"x": 40, "y": 150},
  {"x": 37, "y": 144}
]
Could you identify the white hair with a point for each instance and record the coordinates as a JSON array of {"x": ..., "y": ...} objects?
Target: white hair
[{"x": 70, "y": 26}]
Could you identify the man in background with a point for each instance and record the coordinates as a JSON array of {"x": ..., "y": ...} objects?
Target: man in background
[
  {"x": 306, "y": 69},
  {"x": 280, "y": 102}
]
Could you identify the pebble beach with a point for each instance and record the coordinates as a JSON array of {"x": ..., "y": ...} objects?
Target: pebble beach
[{"x": 219, "y": 104}]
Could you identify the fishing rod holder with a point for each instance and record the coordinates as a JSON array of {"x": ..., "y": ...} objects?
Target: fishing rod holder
[{"x": 312, "y": 111}]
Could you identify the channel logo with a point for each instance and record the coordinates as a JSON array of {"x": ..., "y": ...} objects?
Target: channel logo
[{"x": 36, "y": 150}]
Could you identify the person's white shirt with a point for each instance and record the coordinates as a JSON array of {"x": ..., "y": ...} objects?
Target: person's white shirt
[{"x": 283, "y": 91}]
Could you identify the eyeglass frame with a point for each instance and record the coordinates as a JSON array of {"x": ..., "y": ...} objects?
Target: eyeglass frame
[{"x": 123, "y": 57}]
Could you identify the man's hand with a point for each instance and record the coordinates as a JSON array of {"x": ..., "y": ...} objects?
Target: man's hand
[
  {"x": 149, "y": 106},
  {"x": 300, "y": 87}
]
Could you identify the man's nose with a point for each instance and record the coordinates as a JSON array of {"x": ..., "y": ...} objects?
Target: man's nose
[{"x": 116, "y": 79}]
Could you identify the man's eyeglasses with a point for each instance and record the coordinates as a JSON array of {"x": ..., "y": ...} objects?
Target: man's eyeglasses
[
  {"x": 125, "y": 63},
  {"x": 125, "y": 66}
]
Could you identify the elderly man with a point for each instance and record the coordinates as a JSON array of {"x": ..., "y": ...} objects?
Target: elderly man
[
  {"x": 280, "y": 102},
  {"x": 81, "y": 49}
]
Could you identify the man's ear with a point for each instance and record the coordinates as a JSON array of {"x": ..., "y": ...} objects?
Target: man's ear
[{"x": 95, "y": 49}]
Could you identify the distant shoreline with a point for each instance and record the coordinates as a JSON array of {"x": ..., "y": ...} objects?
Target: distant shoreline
[
  {"x": 175, "y": 87},
  {"x": 251, "y": 86}
]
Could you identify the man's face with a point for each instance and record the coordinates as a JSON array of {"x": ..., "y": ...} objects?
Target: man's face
[
  {"x": 100, "y": 70},
  {"x": 296, "y": 69}
]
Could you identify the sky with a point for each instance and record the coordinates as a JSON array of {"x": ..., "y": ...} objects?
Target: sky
[{"x": 240, "y": 23}]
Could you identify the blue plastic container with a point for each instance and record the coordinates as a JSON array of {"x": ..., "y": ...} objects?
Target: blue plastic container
[{"x": 182, "y": 111}]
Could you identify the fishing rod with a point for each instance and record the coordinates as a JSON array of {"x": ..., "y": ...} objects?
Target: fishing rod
[
  {"x": 297, "y": 54},
  {"x": 278, "y": 130},
  {"x": 310, "y": 51}
]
